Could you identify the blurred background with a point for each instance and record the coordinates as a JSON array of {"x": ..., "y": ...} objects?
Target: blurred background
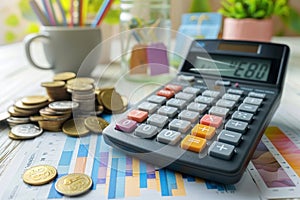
[{"x": 17, "y": 18}]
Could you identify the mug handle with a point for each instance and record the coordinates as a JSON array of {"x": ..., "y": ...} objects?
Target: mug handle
[{"x": 29, "y": 39}]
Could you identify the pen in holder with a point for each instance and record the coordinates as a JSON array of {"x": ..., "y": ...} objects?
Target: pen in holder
[{"x": 145, "y": 38}]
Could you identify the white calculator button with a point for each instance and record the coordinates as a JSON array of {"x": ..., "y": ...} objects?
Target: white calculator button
[
  {"x": 158, "y": 120},
  {"x": 148, "y": 107},
  {"x": 221, "y": 150},
  {"x": 253, "y": 101},
  {"x": 185, "y": 96},
  {"x": 146, "y": 131},
  {"x": 197, "y": 107},
  {"x": 192, "y": 90},
  {"x": 177, "y": 103},
  {"x": 205, "y": 100},
  {"x": 180, "y": 125},
  {"x": 211, "y": 93},
  {"x": 168, "y": 137},
  {"x": 167, "y": 111},
  {"x": 257, "y": 95},
  {"x": 231, "y": 97},
  {"x": 157, "y": 99}
]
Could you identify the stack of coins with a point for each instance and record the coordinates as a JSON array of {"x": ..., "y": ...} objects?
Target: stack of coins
[
  {"x": 111, "y": 100},
  {"x": 56, "y": 90},
  {"x": 83, "y": 92},
  {"x": 28, "y": 106},
  {"x": 53, "y": 117}
]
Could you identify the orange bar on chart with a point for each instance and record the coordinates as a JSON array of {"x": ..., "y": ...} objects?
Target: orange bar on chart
[
  {"x": 180, "y": 191},
  {"x": 80, "y": 165}
]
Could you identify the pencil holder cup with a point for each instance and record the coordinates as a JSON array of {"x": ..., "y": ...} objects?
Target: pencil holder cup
[
  {"x": 145, "y": 39},
  {"x": 65, "y": 48}
]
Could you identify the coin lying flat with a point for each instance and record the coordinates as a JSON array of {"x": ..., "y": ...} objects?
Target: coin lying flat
[
  {"x": 95, "y": 124},
  {"x": 73, "y": 184},
  {"x": 39, "y": 175},
  {"x": 75, "y": 127},
  {"x": 26, "y": 131},
  {"x": 63, "y": 105},
  {"x": 79, "y": 80},
  {"x": 53, "y": 84},
  {"x": 31, "y": 100},
  {"x": 13, "y": 137},
  {"x": 64, "y": 76}
]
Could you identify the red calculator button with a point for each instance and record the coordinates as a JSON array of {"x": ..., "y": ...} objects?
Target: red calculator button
[
  {"x": 174, "y": 88},
  {"x": 211, "y": 120},
  {"x": 166, "y": 93},
  {"x": 137, "y": 115}
]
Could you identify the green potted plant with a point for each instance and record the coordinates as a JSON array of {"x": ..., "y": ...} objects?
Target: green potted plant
[{"x": 251, "y": 19}]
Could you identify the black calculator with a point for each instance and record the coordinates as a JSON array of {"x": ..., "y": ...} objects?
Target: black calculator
[{"x": 208, "y": 121}]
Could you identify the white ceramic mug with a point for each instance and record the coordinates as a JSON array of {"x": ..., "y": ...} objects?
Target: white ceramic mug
[{"x": 66, "y": 48}]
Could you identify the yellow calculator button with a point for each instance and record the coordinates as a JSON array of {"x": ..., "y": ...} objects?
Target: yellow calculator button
[
  {"x": 193, "y": 143},
  {"x": 201, "y": 130}
]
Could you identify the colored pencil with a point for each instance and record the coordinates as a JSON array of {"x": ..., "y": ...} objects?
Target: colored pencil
[
  {"x": 102, "y": 12},
  {"x": 53, "y": 11},
  {"x": 72, "y": 13},
  {"x": 80, "y": 16},
  {"x": 62, "y": 12},
  {"x": 39, "y": 13},
  {"x": 48, "y": 11}
]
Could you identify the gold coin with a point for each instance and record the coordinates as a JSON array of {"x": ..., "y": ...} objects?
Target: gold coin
[
  {"x": 75, "y": 127},
  {"x": 73, "y": 184},
  {"x": 111, "y": 100},
  {"x": 53, "y": 84},
  {"x": 26, "y": 112},
  {"x": 21, "y": 105},
  {"x": 14, "y": 113},
  {"x": 80, "y": 87},
  {"x": 79, "y": 80},
  {"x": 14, "y": 137},
  {"x": 64, "y": 76},
  {"x": 39, "y": 175},
  {"x": 98, "y": 91},
  {"x": 32, "y": 100},
  {"x": 95, "y": 124}
]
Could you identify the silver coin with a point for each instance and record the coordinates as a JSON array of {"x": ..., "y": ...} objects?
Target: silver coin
[
  {"x": 63, "y": 105},
  {"x": 26, "y": 130},
  {"x": 21, "y": 120}
]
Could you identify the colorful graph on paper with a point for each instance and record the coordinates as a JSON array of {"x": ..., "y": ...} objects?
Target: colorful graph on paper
[
  {"x": 114, "y": 175},
  {"x": 276, "y": 164}
]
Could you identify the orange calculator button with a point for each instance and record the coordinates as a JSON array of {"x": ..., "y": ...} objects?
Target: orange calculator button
[
  {"x": 193, "y": 143},
  {"x": 166, "y": 93},
  {"x": 137, "y": 115},
  {"x": 201, "y": 130},
  {"x": 174, "y": 88},
  {"x": 211, "y": 120}
]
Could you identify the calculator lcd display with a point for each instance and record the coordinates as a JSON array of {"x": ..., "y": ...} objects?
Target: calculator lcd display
[{"x": 233, "y": 66}]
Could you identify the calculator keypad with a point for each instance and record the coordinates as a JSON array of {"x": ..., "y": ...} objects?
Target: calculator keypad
[{"x": 195, "y": 119}]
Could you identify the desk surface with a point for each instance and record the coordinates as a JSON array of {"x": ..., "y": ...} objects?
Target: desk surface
[{"x": 18, "y": 79}]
